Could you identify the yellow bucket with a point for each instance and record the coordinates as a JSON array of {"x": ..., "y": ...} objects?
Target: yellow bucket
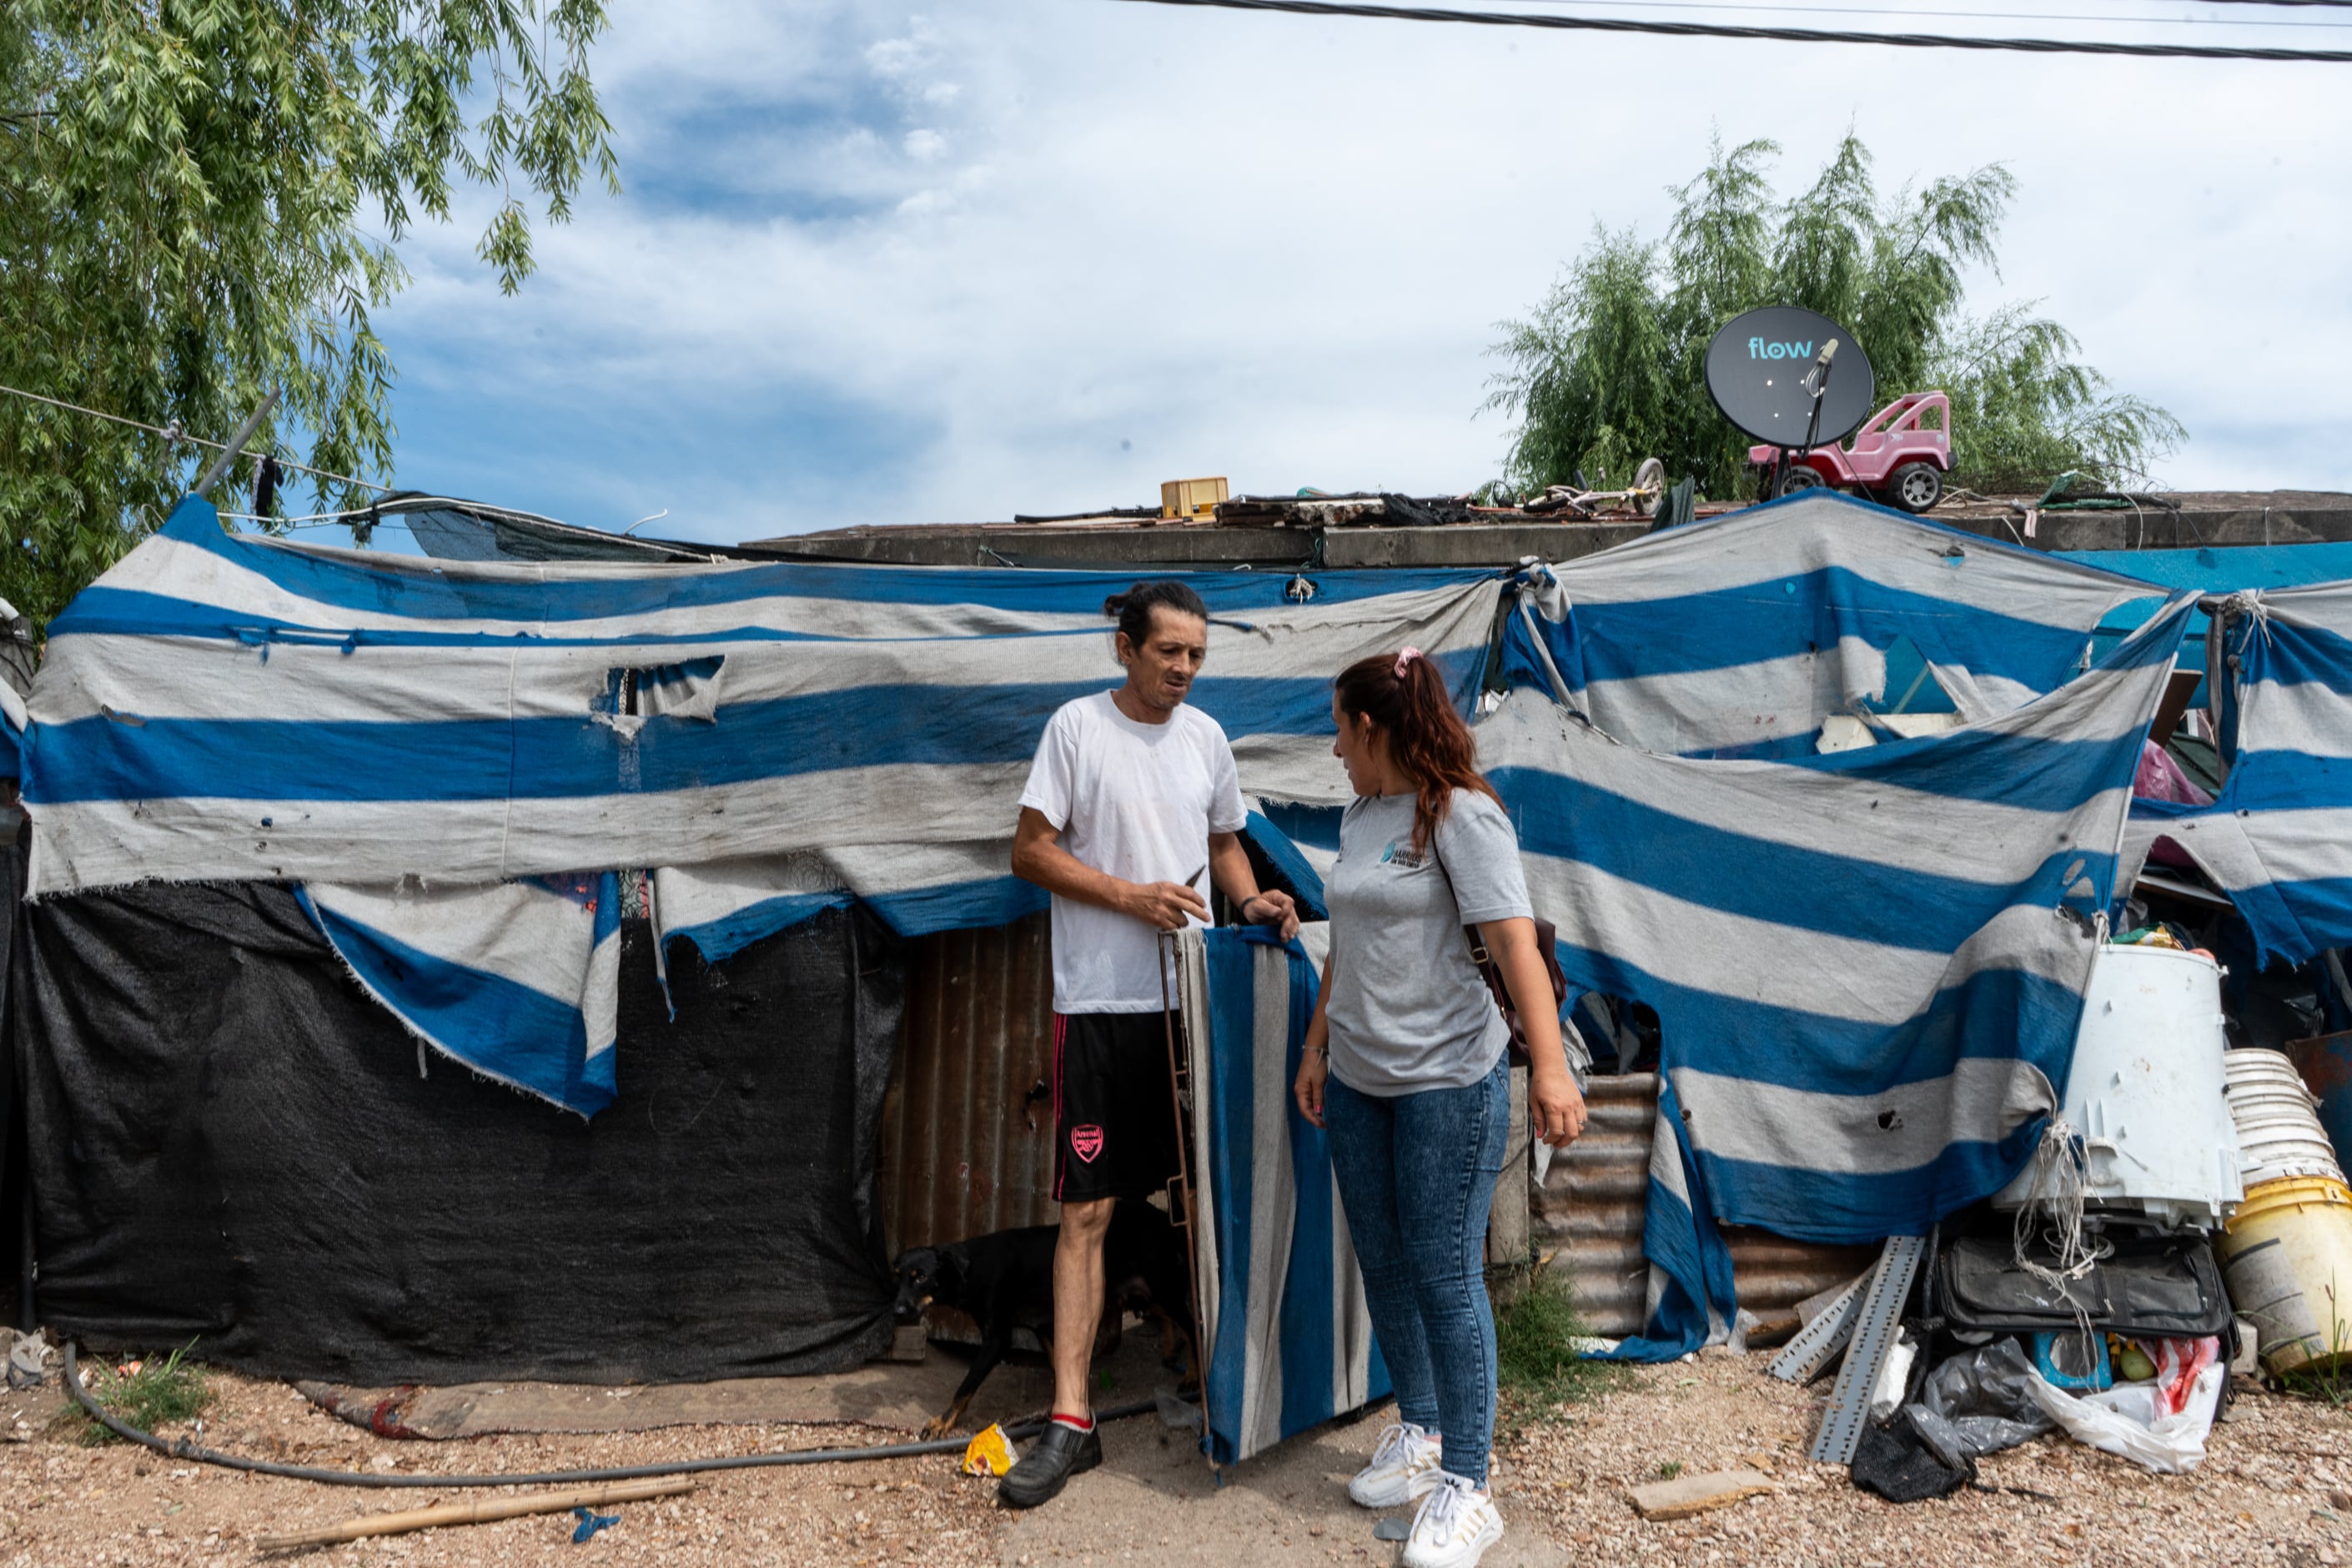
[{"x": 2286, "y": 1254}]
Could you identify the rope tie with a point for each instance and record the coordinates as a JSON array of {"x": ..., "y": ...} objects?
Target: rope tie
[
  {"x": 2248, "y": 604},
  {"x": 2058, "y": 1178}
]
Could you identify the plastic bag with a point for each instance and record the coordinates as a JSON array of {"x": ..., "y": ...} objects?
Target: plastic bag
[
  {"x": 2132, "y": 1420},
  {"x": 988, "y": 1454},
  {"x": 1978, "y": 1403},
  {"x": 1894, "y": 1378},
  {"x": 2178, "y": 1364}
]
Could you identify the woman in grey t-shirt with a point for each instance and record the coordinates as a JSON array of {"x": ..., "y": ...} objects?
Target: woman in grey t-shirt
[{"x": 1406, "y": 1069}]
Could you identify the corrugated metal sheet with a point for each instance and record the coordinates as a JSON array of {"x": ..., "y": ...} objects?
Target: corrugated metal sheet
[
  {"x": 1592, "y": 1206},
  {"x": 1593, "y": 1199},
  {"x": 968, "y": 1134},
  {"x": 968, "y": 1123}
]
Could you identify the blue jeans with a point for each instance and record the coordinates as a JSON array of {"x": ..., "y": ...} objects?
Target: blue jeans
[{"x": 1416, "y": 1175}]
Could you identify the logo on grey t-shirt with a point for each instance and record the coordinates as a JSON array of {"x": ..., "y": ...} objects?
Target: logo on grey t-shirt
[{"x": 1403, "y": 855}]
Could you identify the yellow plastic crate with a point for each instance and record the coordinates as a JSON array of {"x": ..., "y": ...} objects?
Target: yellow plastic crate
[{"x": 1192, "y": 497}]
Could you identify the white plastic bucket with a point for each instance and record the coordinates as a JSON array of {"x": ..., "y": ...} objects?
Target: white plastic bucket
[{"x": 2279, "y": 1135}]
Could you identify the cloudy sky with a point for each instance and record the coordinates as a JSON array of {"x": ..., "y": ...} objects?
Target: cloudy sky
[{"x": 875, "y": 264}]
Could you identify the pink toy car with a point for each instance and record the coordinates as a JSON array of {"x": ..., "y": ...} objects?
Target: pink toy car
[{"x": 1902, "y": 455}]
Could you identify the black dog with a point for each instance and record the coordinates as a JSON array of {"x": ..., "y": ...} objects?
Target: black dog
[{"x": 1004, "y": 1280}]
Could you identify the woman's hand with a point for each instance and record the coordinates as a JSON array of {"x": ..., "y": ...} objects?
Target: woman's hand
[
  {"x": 1556, "y": 1111},
  {"x": 1313, "y": 1069}
]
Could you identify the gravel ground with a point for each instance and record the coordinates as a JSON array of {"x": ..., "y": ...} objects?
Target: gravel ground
[
  {"x": 63, "y": 1504},
  {"x": 2276, "y": 1487}
]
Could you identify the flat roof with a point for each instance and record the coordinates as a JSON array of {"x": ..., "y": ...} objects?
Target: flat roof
[{"x": 1340, "y": 532}]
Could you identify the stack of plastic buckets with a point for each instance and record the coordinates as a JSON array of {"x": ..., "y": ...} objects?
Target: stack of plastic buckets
[{"x": 2287, "y": 1251}]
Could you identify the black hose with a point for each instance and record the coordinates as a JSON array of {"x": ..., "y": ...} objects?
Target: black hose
[{"x": 181, "y": 1448}]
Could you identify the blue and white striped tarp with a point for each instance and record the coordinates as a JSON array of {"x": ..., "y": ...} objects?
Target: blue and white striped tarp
[
  {"x": 13, "y": 716},
  {"x": 1692, "y": 1298},
  {"x": 767, "y": 739},
  {"x": 1736, "y": 636},
  {"x": 218, "y": 707},
  {"x": 1286, "y": 1337},
  {"x": 521, "y": 981},
  {"x": 1868, "y": 966},
  {"x": 2210, "y": 571},
  {"x": 2278, "y": 837}
]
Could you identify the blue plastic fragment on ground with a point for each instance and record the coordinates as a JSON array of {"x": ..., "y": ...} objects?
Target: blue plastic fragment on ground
[{"x": 589, "y": 1523}]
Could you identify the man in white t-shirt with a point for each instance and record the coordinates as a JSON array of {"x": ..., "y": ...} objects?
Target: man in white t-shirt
[{"x": 1133, "y": 801}]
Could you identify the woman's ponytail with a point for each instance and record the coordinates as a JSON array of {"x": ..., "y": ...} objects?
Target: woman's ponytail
[{"x": 1405, "y": 695}]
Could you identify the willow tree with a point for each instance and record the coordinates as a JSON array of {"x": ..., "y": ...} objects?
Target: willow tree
[
  {"x": 1609, "y": 368},
  {"x": 201, "y": 199}
]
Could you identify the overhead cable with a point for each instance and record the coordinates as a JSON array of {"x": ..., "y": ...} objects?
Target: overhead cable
[
  {"x": 2206, "y": 21},
  {"x": 173, "y": 433},
  {"x": 1780, "y": 35}
]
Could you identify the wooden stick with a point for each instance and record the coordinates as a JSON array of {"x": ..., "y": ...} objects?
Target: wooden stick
[{"x": 479, "y": 1511}]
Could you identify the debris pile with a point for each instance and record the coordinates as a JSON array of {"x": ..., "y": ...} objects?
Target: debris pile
[{"x": 2184, "y": 1221}]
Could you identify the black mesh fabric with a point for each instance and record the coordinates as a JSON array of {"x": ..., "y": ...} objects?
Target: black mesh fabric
[
  {"x": 1893, "y": 1462},
  {"x": 230, "y": 1142}
]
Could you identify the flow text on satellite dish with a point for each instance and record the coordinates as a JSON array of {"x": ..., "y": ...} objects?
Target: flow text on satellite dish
[{"x": 1759, "y": 349}]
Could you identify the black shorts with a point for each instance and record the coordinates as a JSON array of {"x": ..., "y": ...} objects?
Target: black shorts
[{"x": 1114, "y": 1106}]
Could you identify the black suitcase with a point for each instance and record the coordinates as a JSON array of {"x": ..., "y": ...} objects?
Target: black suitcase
[{"x": 2152, "y": 1287}]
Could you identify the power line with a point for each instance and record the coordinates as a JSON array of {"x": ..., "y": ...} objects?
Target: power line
[
  {"x": 1780, "y": 35},
  {"x": 175, "y": 434},
  {"x": 1961, "y": 15}
]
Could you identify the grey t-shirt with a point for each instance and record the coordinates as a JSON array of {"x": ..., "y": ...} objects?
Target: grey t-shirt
[{"x": 1408, "y": 1010}]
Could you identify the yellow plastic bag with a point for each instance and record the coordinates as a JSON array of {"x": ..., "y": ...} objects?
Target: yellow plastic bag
[{"x": 988, "y": 1454}]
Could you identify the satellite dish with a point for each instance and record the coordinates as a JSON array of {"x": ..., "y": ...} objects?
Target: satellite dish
[{"x": 1763, "y": 367}]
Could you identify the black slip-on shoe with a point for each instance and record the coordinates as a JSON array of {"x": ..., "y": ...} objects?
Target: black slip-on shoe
[{"x": 1059, "y": 1453}]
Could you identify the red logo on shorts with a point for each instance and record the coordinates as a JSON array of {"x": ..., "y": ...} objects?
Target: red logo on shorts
[{"x": 1087, "y": 1141}]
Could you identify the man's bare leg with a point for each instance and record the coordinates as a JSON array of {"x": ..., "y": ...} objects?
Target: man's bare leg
[
  {"x": 1078, "y": 1303},
  {"x": 1069, "y": 1443}
]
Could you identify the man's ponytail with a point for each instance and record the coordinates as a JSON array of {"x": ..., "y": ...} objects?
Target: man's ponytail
[{"x": 1132, "y": 610}]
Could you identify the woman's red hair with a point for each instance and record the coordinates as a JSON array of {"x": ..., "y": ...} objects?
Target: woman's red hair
[{"x": 1426, "y": 736}]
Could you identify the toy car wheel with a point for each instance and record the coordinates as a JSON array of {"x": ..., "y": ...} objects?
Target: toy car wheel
[
  {"x": 1800, "y": 476},
  {"x": 1915, "y": 486}
]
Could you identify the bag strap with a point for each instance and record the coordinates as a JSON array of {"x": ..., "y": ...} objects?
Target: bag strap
[{"x": 1478, "y": 943}]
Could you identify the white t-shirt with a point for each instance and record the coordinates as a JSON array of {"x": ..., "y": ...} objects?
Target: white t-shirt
[{"x": 1137, "y": 802}]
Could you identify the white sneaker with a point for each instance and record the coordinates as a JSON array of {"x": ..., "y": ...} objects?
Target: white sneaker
[
  {"x": 1403, "y": 1467},
  {"x": 1455, "y": 1525}
]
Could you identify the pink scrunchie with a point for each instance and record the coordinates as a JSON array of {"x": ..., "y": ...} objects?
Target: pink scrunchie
[{"x": 1407, "y": 657}]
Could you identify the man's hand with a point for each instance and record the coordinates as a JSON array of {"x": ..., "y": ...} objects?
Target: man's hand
[
  {"x": 1164, "y": 906},
  {"x": 1277, "y": 910}
]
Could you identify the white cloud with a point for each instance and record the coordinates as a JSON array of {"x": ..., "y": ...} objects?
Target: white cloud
[
  {"x": 1038, "y": 255},
  {"x": 903, "y": 57}
]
